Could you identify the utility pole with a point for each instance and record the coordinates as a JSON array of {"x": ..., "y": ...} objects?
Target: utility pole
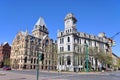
[{"x": 86, "y": 46}]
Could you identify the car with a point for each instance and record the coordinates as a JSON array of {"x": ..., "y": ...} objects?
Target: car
[{"x": 6, "y": 68}]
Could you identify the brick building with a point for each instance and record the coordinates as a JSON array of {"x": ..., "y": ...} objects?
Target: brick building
[{"x": 5, "y": 50}]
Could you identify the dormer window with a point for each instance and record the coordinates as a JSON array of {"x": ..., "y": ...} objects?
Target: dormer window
[{"x": 61, "y": 34}]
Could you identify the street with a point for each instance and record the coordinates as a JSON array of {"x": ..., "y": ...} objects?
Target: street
[{"x": 45, "y": 75}]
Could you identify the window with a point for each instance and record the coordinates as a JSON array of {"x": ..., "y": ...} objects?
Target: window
[
  {"x": 61, "y": 49},
  {"x": 25, "y": 59},
  {"x": 68, "y": 39},
  {"x": 34, "y": 61},
  {"x": 80, "y": 41},
  {"x": 46, "y": 42},
  {"x": 84, "y": 41},
  {"x": 62, "y": 60},
  {"x": 68, "y": 60},
  {"x": 68, "y": 47},
  {"x": 70, "y": 30},
  {"x": 31, "y": 60},
  {"x": 61, "y": 34},
  {"x": 61, "y": 40}
]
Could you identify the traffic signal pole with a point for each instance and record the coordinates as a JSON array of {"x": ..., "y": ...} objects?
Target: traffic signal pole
[
  {"x": 37, "y": 69},
  {"x": 40, "y": 57},
  {"x": 87, "y": 69}
]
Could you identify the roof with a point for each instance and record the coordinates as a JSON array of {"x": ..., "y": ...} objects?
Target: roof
[
  {"x": 5, "y": 43},
  {"x": 40, "y": 22},
  {"x": 70, "y": 15},
  {"x": 115, "y": 55}
]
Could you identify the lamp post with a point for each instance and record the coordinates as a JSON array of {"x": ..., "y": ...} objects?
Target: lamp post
[{"x": 86, "y": 46}]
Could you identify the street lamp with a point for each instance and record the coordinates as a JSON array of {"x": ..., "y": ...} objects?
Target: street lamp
[{"x": 86, "y": 46}]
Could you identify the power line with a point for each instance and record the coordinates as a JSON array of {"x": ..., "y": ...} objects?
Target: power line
[{"x": 115, "y": 35}]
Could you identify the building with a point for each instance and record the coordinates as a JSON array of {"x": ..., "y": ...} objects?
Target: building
[
  {"x": 72, "y": 46},
  {"x": 116, "y": 63},
  {"x": 5, "y": 50},
  {"x": 26, "y": 47}
]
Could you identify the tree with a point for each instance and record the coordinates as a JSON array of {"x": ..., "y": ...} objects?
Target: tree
[
  {"x": 104, "y": 58},
  {"x": 118, "y": 63},
  {"x": 7, "y": 61}
]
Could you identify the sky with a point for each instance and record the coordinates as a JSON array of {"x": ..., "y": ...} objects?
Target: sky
[{"x": 93, "y": 17}]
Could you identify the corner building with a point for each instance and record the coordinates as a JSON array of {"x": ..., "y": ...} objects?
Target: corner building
[
  {"x": 71, "y": 46},
  {"x": 25, "y": 48}
]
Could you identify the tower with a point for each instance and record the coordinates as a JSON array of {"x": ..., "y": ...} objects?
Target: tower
[
  {"x": 66, "y": 54},
  {"x": 70, "y": 23},
  {"x": 40, "y": 29}
]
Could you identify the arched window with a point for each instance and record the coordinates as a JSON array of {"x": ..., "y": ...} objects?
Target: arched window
[
  {"x": 68, "y": 60},
  {"x": 46, "y": 42},
  {"x": 60, "y": 60},
  {"x": 31, "y": 60},
  {"x": 68, "y": 39}
]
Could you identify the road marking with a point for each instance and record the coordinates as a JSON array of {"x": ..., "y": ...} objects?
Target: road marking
[
  {"x": 2, "y": 74},
  {"x": 18, "y": 79},
  {"x": 60, "y": 76}
]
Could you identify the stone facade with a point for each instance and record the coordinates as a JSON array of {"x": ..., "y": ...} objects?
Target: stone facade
[
  {"x": 25, "y": 48},
  {"x": 5, "y": 50},
  {"x": 71, "y": 46}
]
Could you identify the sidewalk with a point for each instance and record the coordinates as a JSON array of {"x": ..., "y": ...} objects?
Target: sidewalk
[
  {"x": 15, "y": 76},
  {"x": 72, "y": 72}
]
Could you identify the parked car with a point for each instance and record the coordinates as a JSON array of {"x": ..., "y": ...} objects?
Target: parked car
[{"x": 6, "y": 68}]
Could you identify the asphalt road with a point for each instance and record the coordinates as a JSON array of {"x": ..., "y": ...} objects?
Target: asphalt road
[{"x": 72, "y": 76}]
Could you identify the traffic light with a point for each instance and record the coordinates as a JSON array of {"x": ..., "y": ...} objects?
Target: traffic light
[
  {"x": 113, "y": 43},
  {"x": 41, "y": 57}
]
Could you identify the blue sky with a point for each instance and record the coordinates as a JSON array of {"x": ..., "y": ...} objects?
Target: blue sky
[{"x": 94, "y": 16}]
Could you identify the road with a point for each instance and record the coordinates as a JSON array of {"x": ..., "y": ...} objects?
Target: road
[{"x": 45, "y": 75}]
